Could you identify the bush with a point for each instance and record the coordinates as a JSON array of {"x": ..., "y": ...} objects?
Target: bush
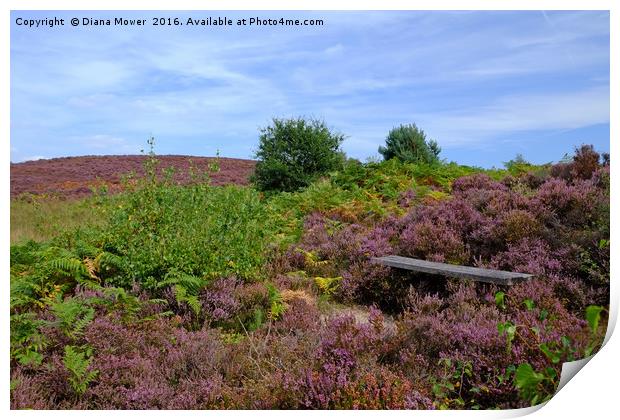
[
  {"x": 173, "y": 230},
  {"x": 295, "y": 152},
  {"x": 408, "y": 143},
  {"x": 583, "y": 165}
]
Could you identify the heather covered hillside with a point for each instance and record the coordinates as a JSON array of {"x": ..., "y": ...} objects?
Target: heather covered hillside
[
  {"x": 198, "y": 295},
  {"x": 78, "y": 176}
]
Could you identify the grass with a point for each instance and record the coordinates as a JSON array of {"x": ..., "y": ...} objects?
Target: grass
[
  {"x": 43, "y": 218},
  {"x": 357, "y": 191}
]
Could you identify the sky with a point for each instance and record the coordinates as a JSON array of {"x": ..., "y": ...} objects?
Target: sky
[{"x": 485, "y": 85}]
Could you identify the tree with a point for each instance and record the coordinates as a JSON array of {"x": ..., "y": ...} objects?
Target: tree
[
  {"x": 294, "y": 152},
  {"x": 408, "y": 143}
]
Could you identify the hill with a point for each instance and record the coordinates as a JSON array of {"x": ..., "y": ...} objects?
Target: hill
[{"x": 74, "y": 176}]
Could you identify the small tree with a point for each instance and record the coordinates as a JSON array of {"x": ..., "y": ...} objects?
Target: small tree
[
  {"x": 518, "y": 165},
  {"x": 294, "y": 152},
  {"x": 408, "y": 143}
]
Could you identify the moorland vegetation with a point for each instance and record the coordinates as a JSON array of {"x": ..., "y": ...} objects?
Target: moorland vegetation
[{"x": 197, "y": 296}]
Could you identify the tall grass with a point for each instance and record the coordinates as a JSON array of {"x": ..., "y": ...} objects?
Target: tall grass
[{"x": 43, "y": 218}]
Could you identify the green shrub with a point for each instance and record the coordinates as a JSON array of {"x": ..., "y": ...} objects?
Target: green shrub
[
  {"x": 294, "y": 152},
  {"x": 408, "y": 143},
  {"x": 166, "y": 233},
  {"x": 519, "y": 166}
]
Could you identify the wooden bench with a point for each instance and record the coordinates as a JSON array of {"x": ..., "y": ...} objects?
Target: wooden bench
[{"x": 505, "y": 278}]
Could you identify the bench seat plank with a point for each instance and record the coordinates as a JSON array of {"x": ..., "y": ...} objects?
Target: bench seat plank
[{"x": 485, "y": 275}]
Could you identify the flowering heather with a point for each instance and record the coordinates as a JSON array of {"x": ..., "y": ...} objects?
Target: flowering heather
[
  {"x": 218, "y": 300},
  {"x": 314, "y": 323},
  {"x": 74, "y": 176}
]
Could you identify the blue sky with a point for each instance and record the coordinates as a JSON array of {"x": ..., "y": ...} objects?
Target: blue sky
[{"x": 485, "y": 85}]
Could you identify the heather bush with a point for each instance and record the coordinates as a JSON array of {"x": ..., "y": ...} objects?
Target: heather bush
[
  {"x": 482, "y": 343},
  {"x": 302, "y": 316},
  {"x": 528, "y": 255},
  {"x": 433, "y": 242},
  {"x": 382, "y": 390},
  {"x": 203, "y": 297},
  {"x": 476, "y": 182},
  {"x": 343, "y": 373},
  {"x": 406, "y": 199},
  {"x": 516, "y": 225},
  {"x": 584, "y": 164},
  {"x": 346, "y": 250},
  {"x": 154, "y": 367},
  {"x": 571, "y": 205},
  {"x": 218, "y": 300}
]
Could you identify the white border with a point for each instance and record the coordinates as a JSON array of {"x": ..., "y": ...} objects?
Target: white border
[{"x": 591, "y": 393}]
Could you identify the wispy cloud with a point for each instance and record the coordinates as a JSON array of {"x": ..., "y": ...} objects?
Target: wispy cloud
[
  {"x": 106, "y": 143},
  {"x": 520, "y": 113},
  {"x": 468, "y": 78},
  {"x": 29, "y": 158}
]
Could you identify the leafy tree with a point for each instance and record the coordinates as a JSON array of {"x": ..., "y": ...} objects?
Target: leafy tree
[
  {"x": 294, "y": 152},
  {"x": 408, "y": 143},
  {"x": 518, "y": 160},
  {"x": 519, "y": 165}
]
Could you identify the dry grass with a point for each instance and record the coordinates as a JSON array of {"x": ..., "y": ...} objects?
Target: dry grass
[
  {"x": 40, "y": 219},
  {"x": 289, "y": 295}
]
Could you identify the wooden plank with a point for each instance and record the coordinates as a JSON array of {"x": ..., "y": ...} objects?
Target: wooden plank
[{"x": 485, "y": 275}]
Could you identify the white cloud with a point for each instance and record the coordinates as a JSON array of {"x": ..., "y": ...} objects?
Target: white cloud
[
  {"x": 105, "y": 143},
  {"x": 334, "y": 49},
  {"x": 456, "y": 74},
  {"x": 31, "y": 158},
  {"x": 90, "y": 101},
  {"x": 558, "y": 111}
]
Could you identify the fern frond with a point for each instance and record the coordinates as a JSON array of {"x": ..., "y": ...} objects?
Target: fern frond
[
  {"x": 311, "y": 259},
  {"x": 92, "y": 268},
  {"x": 182, "y": 296},
  {"x": 78, "y": 363},
  {"x": 277, "y": 306},
  {"x": 23, "y": 291},
  {"x": 192, "y": 284},
  {"x": 69, "y": 266},
  {"x": 106, "y": 261},
  {"x": 72, "y": 315},
  {"x": 327, "y": 285}
]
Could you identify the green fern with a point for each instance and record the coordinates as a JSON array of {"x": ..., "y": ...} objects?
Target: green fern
[
  {"x": 27, "y": 341},
  {"x": 69, "y": 266},
  {"x": 327, "y": 285},
  {"x": 129, "y": 306},
  {"x": 56, "y": 266},
  {"x": 84, "y": 249},
  {"x": 25, "y": 291},
  {"x": 72, "y": 315},
  {"x": 53, "y": 272},
  {"x": 311, "y": 259},
  {"x": 78, "y": 363},
  {"x": 183, "y": 296},
  {"x": 108, "y": 261},
  {"x": 192, "y": 284},
  {"x": 276, "y": 304},
  {"x": 186, "y": 288}
]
